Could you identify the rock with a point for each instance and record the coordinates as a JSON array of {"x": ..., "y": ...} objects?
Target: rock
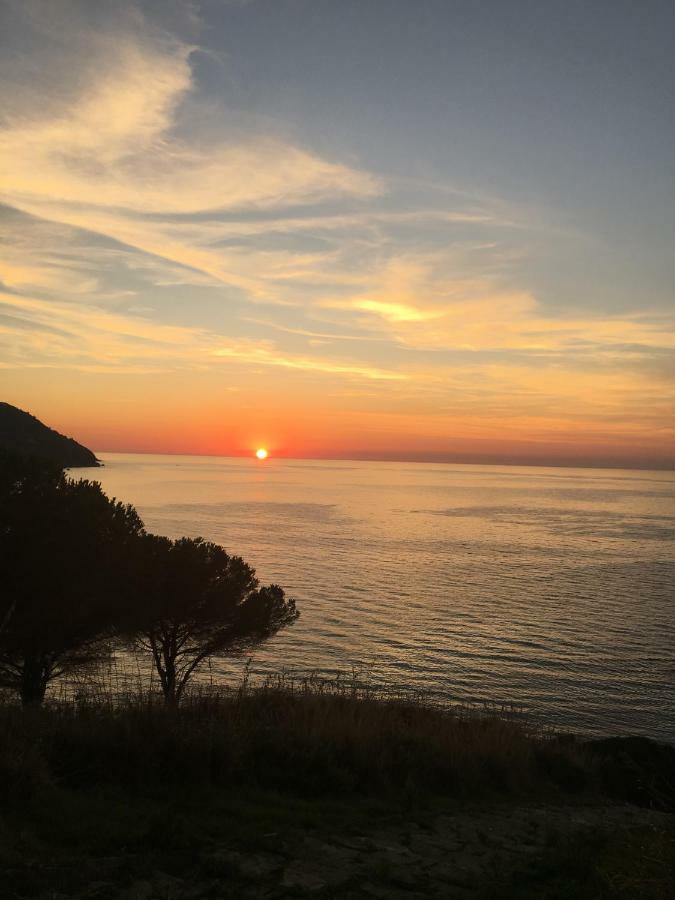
[
  {"x": 222, "y": 863},
  {"x": 98, "y": 889},
  {"x": 201, "y": 889},
  {"x": 637, "y": 770},
  {"x": 407, "y": 876},
  {"x": 358, "y": 843},
  {"x": 252, "y": 866},
  {"x": 167, "y": 887},
  {"x": 370, "y": 889},
  {"x": 260, "y": 865},
  {"x": 139, "y": 890},
  {"x": 321, "y": 866},
  {"x": 305, "y": 875}
]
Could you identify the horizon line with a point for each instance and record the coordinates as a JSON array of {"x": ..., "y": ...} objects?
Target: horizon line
[{"x": 463, "y": 461}]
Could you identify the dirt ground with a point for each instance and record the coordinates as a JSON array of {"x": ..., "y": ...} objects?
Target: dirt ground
[{"x": 467, "y": 854}]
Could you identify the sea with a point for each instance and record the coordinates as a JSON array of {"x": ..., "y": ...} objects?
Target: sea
[{"x": 547, "y": 590}]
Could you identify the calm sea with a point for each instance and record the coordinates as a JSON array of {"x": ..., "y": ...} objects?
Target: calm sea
[{"x": 553, "y": 589}]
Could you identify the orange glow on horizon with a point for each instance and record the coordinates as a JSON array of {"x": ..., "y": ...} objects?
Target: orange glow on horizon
[
  {"x": 241, "y": 286},
  {"x": 297, "y": 420}
]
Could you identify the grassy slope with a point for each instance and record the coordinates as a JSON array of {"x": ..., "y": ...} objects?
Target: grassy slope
[{"x": 109, "y": 792}]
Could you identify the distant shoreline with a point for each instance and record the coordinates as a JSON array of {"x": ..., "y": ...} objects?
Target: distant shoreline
[{"x": 669, "y": 467}]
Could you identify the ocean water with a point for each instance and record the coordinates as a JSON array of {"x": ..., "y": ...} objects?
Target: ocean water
[{"x": 549, "y": 588}]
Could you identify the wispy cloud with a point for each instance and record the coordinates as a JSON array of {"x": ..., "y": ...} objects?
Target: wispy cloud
[
  {"x": 147, "y": 228},
  {"x": 110, "y": 156},
  {"x": 116, "y": 145},
  {"x": 92, "y": 339},
  {"x": 260, "y": 353}
]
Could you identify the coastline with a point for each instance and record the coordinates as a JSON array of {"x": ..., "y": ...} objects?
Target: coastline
[{"x": 318, "y": 791}]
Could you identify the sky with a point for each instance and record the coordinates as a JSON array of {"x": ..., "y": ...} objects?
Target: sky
[{"x": 390, "y": 229}]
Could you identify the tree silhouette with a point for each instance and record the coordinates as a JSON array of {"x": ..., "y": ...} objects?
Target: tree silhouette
[
  {"x": 65, "y": 574},
  {"x": 198, "y": 602},
  {"x": 20, "y": 476}
]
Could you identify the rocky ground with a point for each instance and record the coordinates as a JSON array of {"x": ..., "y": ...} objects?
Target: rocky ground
[
  {"x": 468, "y": 853},
  {"x": 318, "y": 794}
]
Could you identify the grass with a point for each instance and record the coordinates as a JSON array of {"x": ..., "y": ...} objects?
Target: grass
[
  {"x": 310, "y": 736},
  {"x": 635, "y": 865},
  {"x": 108, "y": 786}
]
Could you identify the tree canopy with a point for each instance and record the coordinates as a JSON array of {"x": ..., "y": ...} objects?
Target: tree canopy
[
  {"x": 198, "y": 602},
  {"x": 65, "y": 577},
  {"x": 78, "y": 571}
]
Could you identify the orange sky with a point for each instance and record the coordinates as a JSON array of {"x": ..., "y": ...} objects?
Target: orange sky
[
  {"x": 209, "y": 245},
  {"x": 174, "y": 415}
]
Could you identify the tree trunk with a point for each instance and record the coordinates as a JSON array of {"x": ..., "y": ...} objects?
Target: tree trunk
[
  {"x": 34, "y": 679},
  {"x": 9, "y": 612},
  {"x": 169, "y": 681}
]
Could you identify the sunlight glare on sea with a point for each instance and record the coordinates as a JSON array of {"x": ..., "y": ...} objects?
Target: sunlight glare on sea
[{"x": 549, "y": 588}]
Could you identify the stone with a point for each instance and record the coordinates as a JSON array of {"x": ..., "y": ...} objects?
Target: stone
[
  {"x": 259, "y": 865},
  {"x": 166, "y": 886},
  {"x": 304, "y": 875},
  {"x": 98, "y": 889},
  {"x": 139, "y": 890}
]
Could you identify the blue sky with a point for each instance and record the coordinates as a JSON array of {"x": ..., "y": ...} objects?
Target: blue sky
[{"x": 428, "y": 228}]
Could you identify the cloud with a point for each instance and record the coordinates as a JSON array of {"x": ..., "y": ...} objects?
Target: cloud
[
  {"x": 149, "y": 229},
  {"x": 395, "y": 312},
  {"x": 420, "y": 304},
  {"x": 116, "y": 147},
  {"x": 108, "y": 154},
  {"x": 260, "y": 353},
  {"x": 89, "y": 338},
  {"x": 92, "y": 339}
]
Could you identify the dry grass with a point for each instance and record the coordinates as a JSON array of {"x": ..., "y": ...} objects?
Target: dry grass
[
  {"x": 307, "y": 735},
  {"x": 109, "y": 776}
]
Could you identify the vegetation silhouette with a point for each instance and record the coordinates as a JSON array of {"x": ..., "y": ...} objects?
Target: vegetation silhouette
[
  {"x": 116, "y": 786},
  {"x": 197, "y": 602},
  {"x": 63, "y": 549},
  {"x": 22, "y": 433},
  {"x": 79, "y": 574}
]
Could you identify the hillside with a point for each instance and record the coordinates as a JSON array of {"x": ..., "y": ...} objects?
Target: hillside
[
  {"x": 22, "y": 433},
  {"x": 321, "y": 789}
]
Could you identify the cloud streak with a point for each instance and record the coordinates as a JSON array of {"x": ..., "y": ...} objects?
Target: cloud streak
[{"x": 148, "y": 228}]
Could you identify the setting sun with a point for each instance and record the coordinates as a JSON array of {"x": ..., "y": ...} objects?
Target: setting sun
[{"x": 438, "y": 281}]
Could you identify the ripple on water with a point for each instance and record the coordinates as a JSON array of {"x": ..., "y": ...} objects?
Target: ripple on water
[{"x": 550, "y": 589}]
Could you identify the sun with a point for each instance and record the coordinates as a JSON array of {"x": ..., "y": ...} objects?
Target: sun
[{"x": 261, "y": 453}]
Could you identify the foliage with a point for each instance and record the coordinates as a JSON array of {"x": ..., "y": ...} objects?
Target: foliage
[
  {"x": 64, "y": 552},
  {"x": 21, "y": 433},
  {"x": 197, "y": 601},
  {"x": 109, "y": 795},
  {"x": 77, "y": 570},
  {"x": 23, "y": 481},
  {"x": 311, "y": 736}
]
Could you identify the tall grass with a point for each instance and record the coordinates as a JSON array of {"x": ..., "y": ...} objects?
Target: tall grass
[{"x": 310, "y": 735}]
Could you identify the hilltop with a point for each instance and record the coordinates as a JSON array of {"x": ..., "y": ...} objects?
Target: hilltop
[{"x": 21, "y": 432}]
